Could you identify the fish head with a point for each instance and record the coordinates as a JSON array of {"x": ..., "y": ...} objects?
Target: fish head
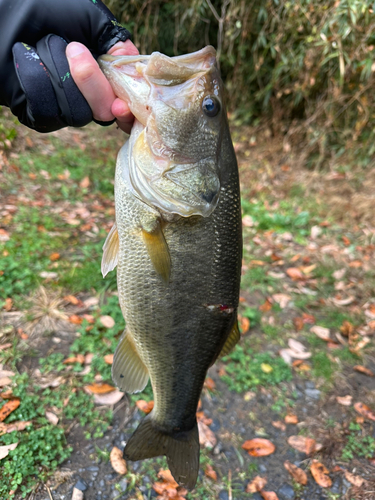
[{"x": 176, "y": 141}]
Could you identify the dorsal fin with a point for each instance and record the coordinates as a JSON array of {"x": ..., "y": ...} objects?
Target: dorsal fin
[{"x": 110, "y": 251}]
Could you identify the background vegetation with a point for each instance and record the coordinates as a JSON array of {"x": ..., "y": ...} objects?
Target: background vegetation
[{"x": 307, "y": 64}]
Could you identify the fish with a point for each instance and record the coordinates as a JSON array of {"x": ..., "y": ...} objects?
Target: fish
[{"x": 177, "y": 245}]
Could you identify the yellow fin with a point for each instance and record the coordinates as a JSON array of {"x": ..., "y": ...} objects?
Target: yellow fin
[
  {"x": 158, "y": 251},
  {"x": 128, "y": 371},
  {"x": 110, "y": 251},
  {"x": 231, "y": 341}
]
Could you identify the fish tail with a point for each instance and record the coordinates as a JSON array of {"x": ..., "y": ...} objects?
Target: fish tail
[{"x": 180, "y": 448}]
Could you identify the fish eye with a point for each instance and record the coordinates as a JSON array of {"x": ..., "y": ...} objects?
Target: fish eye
[{"x": 210, "y": 106}]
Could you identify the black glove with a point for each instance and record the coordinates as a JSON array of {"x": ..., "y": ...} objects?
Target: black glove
[{"x": 35, "y": 81}]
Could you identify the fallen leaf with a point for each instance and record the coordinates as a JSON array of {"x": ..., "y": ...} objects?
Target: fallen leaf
[
  {"x": 144, "y": 406},
  {"x": 117, "y": 461},
  {"x": 309, "y": 319},
  {"x": 322, "y": 332},
  {"x": 291, "y": 419},
  {"x": 356, "y": 264},
  {"x": 107, "y": 321},
  {"x": 355, "y": 480},
  {"x": 5, "y": 346},
  {"x": 247, "y": 221},
  {"x": 166, "y": 475},
  {"x": 210, "y": 472},
  {"x": 339, "y": 274},
  {"x": 209, "y": 384},
  {"x": 54, "y": 256},
  {"x": 108, "y": 358},
  {"x": 4, "y": 450},
  {"x": 257, "y": 484},
  {"x": 80, "y": 358},
  {"x": 266, "y": 368},
  {"x": 7, "y": 409},
  {"x": 76, "y": 320},
  {"x": 279, "y": 425},
  {"x": 244, "y": 324},
  {"x": 266, "y": 306},
  {"x": 320, "y": 473},
  {"x": 77, "y": 494},
  {"x": 85, "y": 182},
  {"x": 343, "y": 302},
  {"x": 364, "y": 370},
  {"x": 344, "y": 400},
  {"x": 297, "y": 474},
  {"x": 269, "y": 495},
  {"x": 51, "y": 417},
  {"x": 304, "y": 444},
  {"x": 48, "y": 275},
  {"x": 346, "y": 328},
  {"x": 259, "y": 447},
  {"x": 109, "y": 399},
  {"x": 15, "y": 426},
  {"x": 294, "y": 273},
  {"x": 363, "y": 410},
  {"x": 206, "y": 437},
  {"x": 71, "y": 299},
  {"x": 298, "y": 323},
  {"x": 8, "y": 304},
  {"x": 5, "y": 381},
  {"x": 99, "y": 388}
]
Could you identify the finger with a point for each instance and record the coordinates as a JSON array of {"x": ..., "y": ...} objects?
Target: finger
[
  {"x": 124, "y": 49},
  {"x": 90, "y": 81},
  {"x": 124, "y": 116}
]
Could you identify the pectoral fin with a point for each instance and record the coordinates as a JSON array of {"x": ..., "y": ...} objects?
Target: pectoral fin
[
  {"x": 158, "y": 250},
  {"x": 231, "y": 341},
  {"x": 128, "y": 371},
  {"x": 110, "y": 251}
]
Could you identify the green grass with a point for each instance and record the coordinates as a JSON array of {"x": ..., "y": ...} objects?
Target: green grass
[
  {"x": 357, "y": 444},
  {"x": 246, "y": 370}
]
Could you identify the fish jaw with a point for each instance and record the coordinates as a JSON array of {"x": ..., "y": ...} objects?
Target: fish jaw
[{"x": 174, "y": 163}]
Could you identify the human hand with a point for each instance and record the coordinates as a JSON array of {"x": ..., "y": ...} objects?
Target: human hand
[
  {"x": 90, "y": 80},
  {"x": 35, "y": 79}
]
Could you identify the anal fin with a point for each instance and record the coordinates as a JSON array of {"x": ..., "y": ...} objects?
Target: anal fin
[
  {"x": 158, "y": 250},
  {"x": 110, "y": 251},
  {"x": 128, "y": 370},
  {"x": 233, "y": 338}
]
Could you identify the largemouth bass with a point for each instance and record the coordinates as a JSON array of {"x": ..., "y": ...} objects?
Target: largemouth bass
[{"x": 177, "y": 245}]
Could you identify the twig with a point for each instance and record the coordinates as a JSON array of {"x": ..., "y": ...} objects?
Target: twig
[
  {"x": 49, "y": 492},
  {"x": 220, "y": 20}
]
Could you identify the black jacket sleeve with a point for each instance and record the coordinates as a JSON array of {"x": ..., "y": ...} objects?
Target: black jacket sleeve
[{"x": 35, "y": 82}]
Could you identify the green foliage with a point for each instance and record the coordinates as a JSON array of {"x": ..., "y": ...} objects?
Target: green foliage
[
  {"x": 358, "y": 445},
  {"x": 322, "y": 365},
  {"x": 311, "y": 60},
  {"x": 246, "y": 370}
]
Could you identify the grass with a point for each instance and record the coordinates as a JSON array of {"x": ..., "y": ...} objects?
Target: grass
[{"x": 358, "y": 444}]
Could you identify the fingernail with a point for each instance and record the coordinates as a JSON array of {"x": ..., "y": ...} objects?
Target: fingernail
[{"x": 74, "y": 49}]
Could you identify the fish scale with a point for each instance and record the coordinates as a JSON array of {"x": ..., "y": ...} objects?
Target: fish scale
[{"x": 178, "y": 280}]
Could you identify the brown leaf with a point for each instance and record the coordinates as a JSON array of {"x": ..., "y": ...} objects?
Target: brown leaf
[
  {"x": 321, "y": 332},
  {"x": 269, "y": 495},
  {"x": 108, "y": 358},
  {"x": 4, "y": 450},
  {"x": 80, "y": 358},
  {"x": 210, "y": 472},
  {"x": 54, "y": 256},
  {"x": 259, "y": 447},
  {"x": 209, "y": 384},
  {"x": 85, "y": 182},
  {"x": 346, "y": 328},
  {"x": 144, "y": 406},
  {"x": 297, "y": 474},
  {"x": 15, "y": 426},
  {"x": 3, "y": 347},
  {"x": 109, "y": 399},
  {"x": 117, "y": 461},
  {"x": 319, "y": 473},
  {"x": 364, "y": 370},
  {"x": 355, "y": 480},
  {"x": 201, "y": 417},
  {"x": 71, "y": 299},
  {"x": 8, "y": 304},
  {"x": 267, "y": 306},
  {"x": 294, "y": 273},
  {"x": 279, "y": 425},
  {"x": 102, "y": 388},
  {"x": 166, "y": 475},
  {"x": 206, "y": 437},
  {"x": 298, "y": 323},
  {"x": 345, "y": 400},
  {"x": 51, "y": 417},
  {"x": 309, "y": 319},
  {"x": 244, "y": 324},
  {"x": 364, "y": 410},
  {"x": 107, "y": 321},
  {"x": 5, "y": 381},
  {"x": 304, "y": 444},
  {"x": 257, "y": 484},
  {"x": 76, "y": 320},
  {"x": 291, "y": 419},
  {"x": 7, "y": 409}
]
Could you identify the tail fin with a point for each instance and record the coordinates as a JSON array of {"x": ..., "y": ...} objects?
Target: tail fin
[{"x": 181, "y": 450}]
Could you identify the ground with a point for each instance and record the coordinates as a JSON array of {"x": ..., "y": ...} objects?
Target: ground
[{"x": 304, "y": 366}]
